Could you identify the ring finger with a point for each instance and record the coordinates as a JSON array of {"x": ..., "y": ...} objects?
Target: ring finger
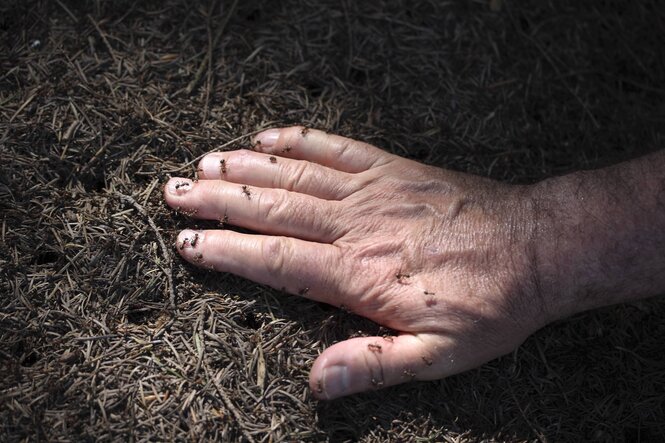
[{"x": 265, "y": 210}]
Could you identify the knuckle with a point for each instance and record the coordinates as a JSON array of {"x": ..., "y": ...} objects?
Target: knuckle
[
  {"x": 273, "y": 204},
  {"x": 274, "y": 252},
  {"x": 296, "y": 177}
]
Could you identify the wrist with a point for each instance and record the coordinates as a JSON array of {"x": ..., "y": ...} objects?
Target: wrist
[
  {"x": 599, "y": 237},
  {"x": 564, "y": 272}
]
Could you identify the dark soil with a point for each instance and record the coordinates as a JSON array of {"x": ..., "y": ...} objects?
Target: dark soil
[{"x": 105, "y": 334}]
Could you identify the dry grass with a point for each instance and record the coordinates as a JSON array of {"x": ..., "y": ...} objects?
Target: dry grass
[{"x": 106, "y": 335}]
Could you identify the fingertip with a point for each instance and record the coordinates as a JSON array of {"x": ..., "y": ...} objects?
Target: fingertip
[
  {"x": 177, "y": 186},
  {"x": 267, "y": 138},
  {"x": 210, "y": 166},
  {"x": 344, "y": 369},
  {"x": 187, "y": 242},
  {"x": 329, "y": 381},
  {"x": 371, "y": 363}
]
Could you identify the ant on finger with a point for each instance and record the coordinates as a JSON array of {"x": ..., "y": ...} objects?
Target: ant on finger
[
  {"x": 247, "y": 192},
  {"x": 401, "y": 277},
  {"x": 374, "y": 347}
]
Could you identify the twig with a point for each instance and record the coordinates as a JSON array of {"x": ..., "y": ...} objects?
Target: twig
[
  {"x": 18, "y": 111},
  {"x": 103, "y": 36},
  {"x": 208, "y": 57},
  {"x": 229, "y": 404},
  {"x": 167, "y": 269},
  {"x": 228, "y": 143},
  {"x": 97, "y": 337},
  {"x": 99, "y": 153},
  {"x": 66, "y": 9}
]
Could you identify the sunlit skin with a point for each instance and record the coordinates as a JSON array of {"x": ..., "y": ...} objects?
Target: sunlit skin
[{"x": 462, "y": 266}]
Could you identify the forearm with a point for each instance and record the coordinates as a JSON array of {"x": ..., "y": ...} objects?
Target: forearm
[{"x": 601, "y": 237}]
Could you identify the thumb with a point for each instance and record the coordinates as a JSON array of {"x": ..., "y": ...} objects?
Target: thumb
[{"x": 365, "y": 363}]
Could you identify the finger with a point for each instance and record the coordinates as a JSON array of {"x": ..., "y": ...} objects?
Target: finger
[
  {"x": 367, "y": 363},
  {"x": 273, "y": 171},
  {"x": 285, "y": 263},
  {"x": 270, "y": 211},
  {"x": 333, "y": 151}
]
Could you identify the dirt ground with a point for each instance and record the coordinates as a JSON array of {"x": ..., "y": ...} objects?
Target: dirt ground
[{"x": 105, "y": 334}]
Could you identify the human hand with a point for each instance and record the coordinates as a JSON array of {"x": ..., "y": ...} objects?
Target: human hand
[{"x": 445, "y": 258}]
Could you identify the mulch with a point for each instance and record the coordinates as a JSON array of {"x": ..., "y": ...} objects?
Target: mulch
[{"x": 105, "y": 334}]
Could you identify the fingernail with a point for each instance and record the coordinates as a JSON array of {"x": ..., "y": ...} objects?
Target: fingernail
[
  {"x": 212, "y": 166},
  {"x": 335, "y": 381},
  {"x": 189, "y": 239},
  {"x": 178, "y": 186},
  {"x": 267, "y": 138}
]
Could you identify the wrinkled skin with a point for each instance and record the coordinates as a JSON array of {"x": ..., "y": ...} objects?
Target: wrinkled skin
[{"x": 446, "y": 258}]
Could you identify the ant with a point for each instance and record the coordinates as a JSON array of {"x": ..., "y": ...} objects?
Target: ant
[
  {"x": 222, "y": 166},
  {"x": 428, "y": 293},
  {"x": 374, "y": 347},
  {"x": 193, "y": 241},
  {"x": 198, "y": 257},
  {"x": 257, "y": 144},
  {"x": 401, "y": 276},
  {"x": 304, "y": 131},
  {"x": 377, "y": 383},
  {"x": 224, "y": 220},
  {"x": 179, "y": 185},
  {"x": 247, "y": 192},
  {"x": 303, "y": 291},
  {"x": 182, "y": 245},
  {"x": 273, "y": 159},
  {"x": 428, "y": 361},
  {"x": 287, "y": 148}
]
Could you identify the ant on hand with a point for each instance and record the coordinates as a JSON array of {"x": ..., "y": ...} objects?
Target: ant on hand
[{"x": 374, "y": 347}]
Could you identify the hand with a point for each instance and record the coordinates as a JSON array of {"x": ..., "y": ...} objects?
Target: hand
[{"x": 446, "y": 258}]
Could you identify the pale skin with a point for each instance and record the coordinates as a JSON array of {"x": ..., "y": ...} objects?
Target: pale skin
[{"x": 465, "y": 268}]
